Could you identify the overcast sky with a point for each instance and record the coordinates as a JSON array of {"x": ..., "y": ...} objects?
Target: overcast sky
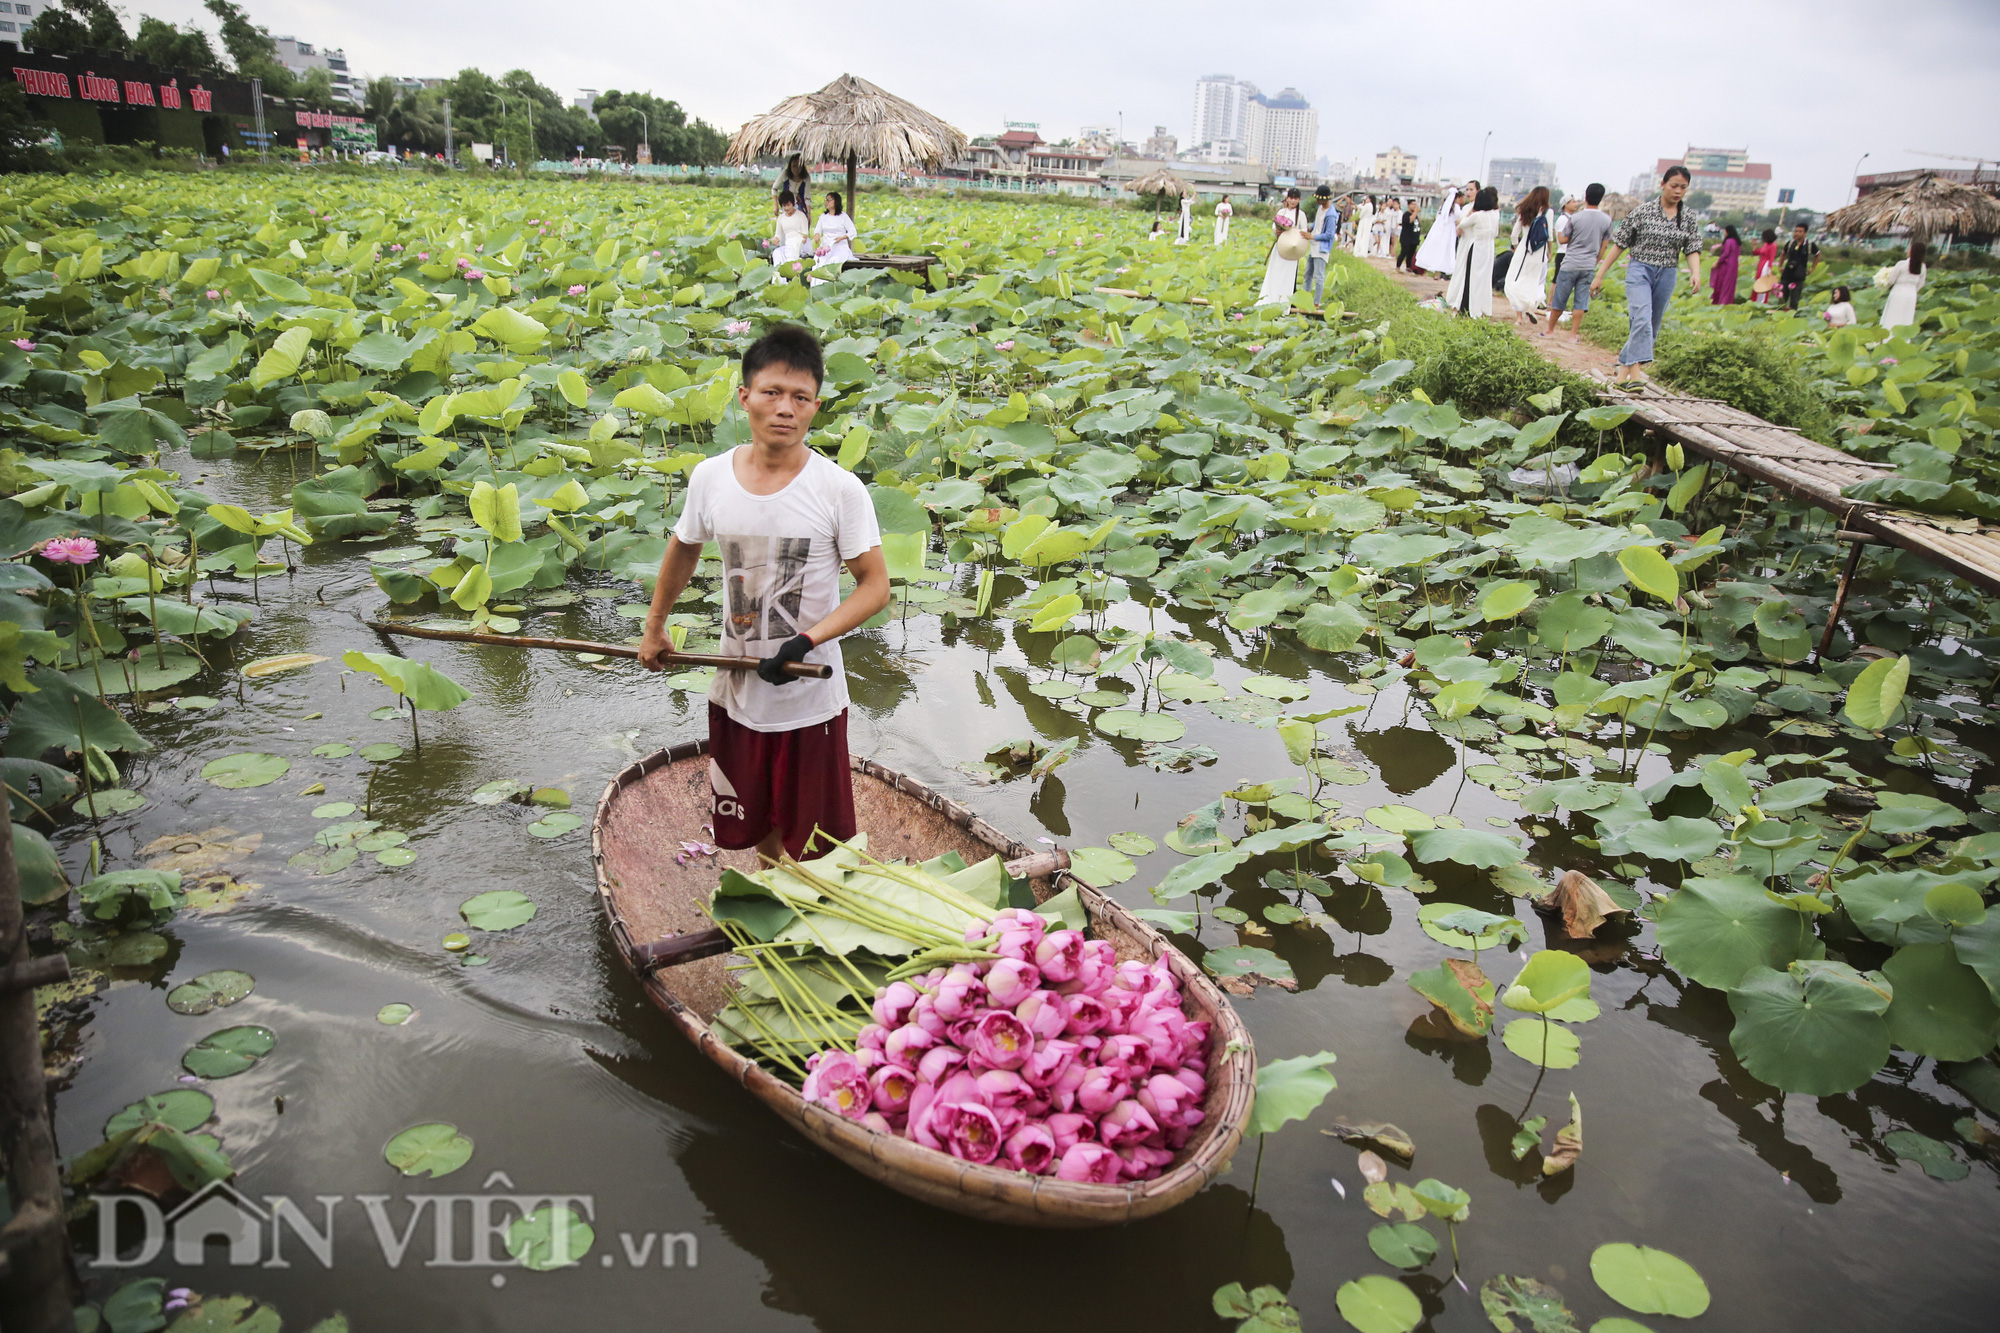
[{"x": 1601, "y": 90}]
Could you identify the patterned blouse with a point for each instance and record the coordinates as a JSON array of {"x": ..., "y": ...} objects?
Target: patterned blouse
[{"x": 1654, "y": 238}]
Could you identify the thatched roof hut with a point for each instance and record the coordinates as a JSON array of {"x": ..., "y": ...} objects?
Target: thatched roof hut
[
  {"x": 1925, "y": 207},
  {"x": 852, "y": 121},
  {"x": 1618, "y": 205}
]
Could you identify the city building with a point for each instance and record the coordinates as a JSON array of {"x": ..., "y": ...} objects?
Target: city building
[
  {"x": 1733, "y": 182},
  {"x": 1221, "y": 111},
  {"x": 1644, "y": 185},
  {"x": 1020, "y": 159},
  {"x": 1395, "y": 165},
  {"x": 1515, "y": 176},
  {"x": 1215, "y": 151},
  {"x": 298, "y": 57},
  {"x": 586, "y": 102},
  {"x": 1281, "y": 132},
  {"x": 1161, "y": 144},
  {"x": 17, "y": 18}
]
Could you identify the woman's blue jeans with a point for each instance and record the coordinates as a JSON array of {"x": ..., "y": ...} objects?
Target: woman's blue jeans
[{"x": 1649, "y": 288}]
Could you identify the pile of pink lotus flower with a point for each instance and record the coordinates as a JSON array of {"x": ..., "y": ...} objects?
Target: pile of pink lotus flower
[{"x": 1054, "y": 1059}]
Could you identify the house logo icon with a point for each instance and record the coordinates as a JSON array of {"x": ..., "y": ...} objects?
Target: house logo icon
[{"x": 217, "y": 1210}]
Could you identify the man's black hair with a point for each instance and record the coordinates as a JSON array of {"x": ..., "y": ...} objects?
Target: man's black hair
[
  {"x": 1593, "y": 194},
  {"x": 789, "y": 346}
]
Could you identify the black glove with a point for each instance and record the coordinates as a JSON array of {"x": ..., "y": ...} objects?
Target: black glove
[{"x": 772, "y": 669}]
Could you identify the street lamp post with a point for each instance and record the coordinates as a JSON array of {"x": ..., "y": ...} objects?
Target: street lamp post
[
  {"x": 1856, "y": 173},
  {"x": 645, "y": 138}
]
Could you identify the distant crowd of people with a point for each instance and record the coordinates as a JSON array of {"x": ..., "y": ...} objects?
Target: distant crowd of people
[{"x": 1558, "y": 259}]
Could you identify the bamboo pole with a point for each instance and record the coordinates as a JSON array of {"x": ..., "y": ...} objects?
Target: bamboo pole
[
  {"x": 805, "y": 670},
  {"x": 34, "y": 1284}
]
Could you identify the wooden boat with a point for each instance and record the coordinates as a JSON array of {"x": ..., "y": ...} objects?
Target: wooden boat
[{"x": 651, "y": 806}]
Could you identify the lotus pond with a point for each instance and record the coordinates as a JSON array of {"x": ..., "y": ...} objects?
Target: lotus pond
[{"x": 1490, "y": 755}]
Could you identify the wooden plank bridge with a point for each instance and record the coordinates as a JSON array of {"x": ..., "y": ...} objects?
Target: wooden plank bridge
[{"x": 1806, "y": 470}]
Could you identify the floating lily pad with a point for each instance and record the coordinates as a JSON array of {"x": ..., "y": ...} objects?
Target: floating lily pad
[
  {"x": 395, "y": 856},
  {"x": 381, "y": 752},
  {"x": 1550, "y": 1045},
  {"x": 1937, "y": 1159},
  {"x": 272, "y": 666},
  {"x": 457, "y": 942},
  {"x": 324, "y": 861},
  {"x": 501, "y": 789},
  {"x": 1132, "y": 844},
  {"x": 553, "y": 798},
  {"x": 1277, "y": 687},
  {"x": 394, "y": 1015},
  {"x": 692, "y": 682},
  {"x": 185, "y": 1109},
  {"x": 246, "y": 770},
  {"x": 1189, "y": 689},
  {"x": 1649, "y": 1281},
  {"x": 381, "y": 841},
  {"x": 433, "y": 1150},
  {"x": 549, "y": 1238},
  {"x": 210, "y": 990},
  {"x": 1056, "y": 689},
  {"x": 333, "y": 750},
  {"x": 1378, "y": 1304},
  {"x": 1129, "y": 724},
  {"x": 111, "y": 801},
  {"x": 497, "y": 909},
  {"x": 1100, "y": 867},
  {"x": 1102, "y": 698},
  {"x": 1399, "y": 818},
  {"x": 555, "y": 824},
  {"x": 230, "y": 1051},
  {"x": 334, "y": 810}
]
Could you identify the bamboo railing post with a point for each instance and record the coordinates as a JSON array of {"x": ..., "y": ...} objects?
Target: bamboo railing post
[
  {"x": 1855, "y": 542},
  {"x": 34, "y": 1283}
]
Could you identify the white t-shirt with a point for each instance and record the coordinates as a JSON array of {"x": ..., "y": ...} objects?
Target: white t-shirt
[
  {"x": 835, "y": 230},
  {"x": 781, "y": 561}
]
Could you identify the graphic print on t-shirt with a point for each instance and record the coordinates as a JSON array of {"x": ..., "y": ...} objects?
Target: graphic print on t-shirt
[{"x": 764, "y": 580}]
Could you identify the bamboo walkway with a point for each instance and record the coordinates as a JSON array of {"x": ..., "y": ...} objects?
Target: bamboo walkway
[{"x": 1805, "y": 470}]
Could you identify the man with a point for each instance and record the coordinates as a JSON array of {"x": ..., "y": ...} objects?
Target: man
[
  {"x": 1658, "y": 233},
  {"x": 1800, "y": 258},
  {"x": 1585, "y": 230},
  {"x": 784, "y": 519},
  {"x": 1326, "y": 228}
]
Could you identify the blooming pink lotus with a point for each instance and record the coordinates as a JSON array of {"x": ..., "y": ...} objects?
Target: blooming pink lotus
[
  {"x": 836, "y": 1082},
  {"x": 736, "y": 328},
  {"x": 577, "y": 289},
  {"x": 24, "y": 344},
  {"x": 395, "y": 248},
  {"x": 1085, "y": 1014},
  {"x": 69, "y": 550},
  {"x": 474, "y": 274},
  {"x": 892, "y": 1085},
  {"x": 1255, "y": 347},
  {"x": 970, "y": 1132},
  {"x": 213, "y": 294},
  {"x": 1052, "y": 1059},
  {"x": 423, "y": 255},
  {"x": 893, "y": 1004},
  {"x": 939, "y": 1063},
  {"x": 1000, "y": 1041}
]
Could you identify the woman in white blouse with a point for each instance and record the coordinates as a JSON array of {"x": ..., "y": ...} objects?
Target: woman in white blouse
[
  {"x": 788, "y": 244},
  {"x": 1471, "y": 290},
  {"x": 1906, "y": 279}
]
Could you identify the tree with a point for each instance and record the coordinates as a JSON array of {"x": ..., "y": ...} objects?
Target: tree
[
  {"x": 1700, "y": 200},
  {"x": 185, "y": 47},
  {"x": 316, "y": 88},
  {"x": 253, "y": 48},
  {"x": 80, "y": 25},
  {"x": 20, "y": 136}
]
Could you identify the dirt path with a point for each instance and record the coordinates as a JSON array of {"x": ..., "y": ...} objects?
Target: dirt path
[{"x": 1570, "y": 353}]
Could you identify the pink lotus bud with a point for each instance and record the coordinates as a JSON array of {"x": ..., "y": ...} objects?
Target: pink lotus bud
[
  {"x": 1005, "y": 346},
  {"x": 1062, "y": 1092},
  {"x": 1191, "y": 1079},
  {"x": 892, "y": 1086},
  {"x": 969, "y": 1131},
  {"x": 893, "y": 1004},
  {"x": 1011, "y": 981},
  {"x": 1069, "y": 1127},
  {"x": 1050, "y": 1061},
  {"x": 474, "y": 275},
  {"x": 395, "y": 248},
  {"x": 1090, "y": 1163},
  {"x": 1127, "y": 1121},
  {"x": 872, "y": 1037},
  {"x": 926, "y": 1016},
  {"x": 212, "y": 294},
  {"x": 1031, "y": 1148},
  {"x": 1003, "y": 1087},
  {"x": 1042, "y": 1013},
  {"x": 878, "y": 1122},
  {"x": 939, "y": 1063},
  {"x": 24, "y": 344},
  {"x": 1138, "y": 1161},
  {"x": 1162, "y": 1096},
  {"x": 958, "y": 993},
  {"x": 836, "y": 1082},
  {"x": 1126, "y": 1056},
  {"x": 867, "y": 1058},
  {"x": 423, "y": 255},
  {"x": 1255, "y": 347},
  {"x": 1101, "y": 1090},
  {"x": 577, "y": 289},
  {"x": 1001, "y": 1041},
  {"x": 1059, "y": 955},
  {"x": 907, "y": 1044},
  {"x": 1085, "y": 1013}
]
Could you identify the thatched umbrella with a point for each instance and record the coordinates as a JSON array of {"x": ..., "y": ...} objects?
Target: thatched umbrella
[
  {"x": 1161, "y": 183},
  {"x": 852, "y": 121},
  {"x": 1925, "y": 207}
]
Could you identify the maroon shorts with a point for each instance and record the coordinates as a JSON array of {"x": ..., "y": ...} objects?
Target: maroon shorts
[{"x": 794, "y": 781}]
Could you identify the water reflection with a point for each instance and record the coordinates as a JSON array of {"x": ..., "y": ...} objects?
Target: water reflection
[{"x": 1409, "y": 758}]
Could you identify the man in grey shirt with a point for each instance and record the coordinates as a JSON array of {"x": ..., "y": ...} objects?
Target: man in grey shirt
[{"x": 1588, "y": 227}]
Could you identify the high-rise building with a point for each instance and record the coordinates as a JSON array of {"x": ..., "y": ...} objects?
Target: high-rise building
[
  {"x": 1281, "y": 132},
  {"x": 1395, "y": 164},
  {"x": 1515, "y": 176},
  {"x": 586, "y": 102},
  {"x": 1161, "y": 144},
  {"x": 298, "y": 57},
  {"x": 18, "y": 20},
  {"x": 1644, "y": 185},
  {"x": 1727, "y": 175},
  {"x": 1221, "y": 109}
]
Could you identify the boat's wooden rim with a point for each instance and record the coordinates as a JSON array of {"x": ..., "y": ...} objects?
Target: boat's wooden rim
[{"x": 990, "y": 1192}]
